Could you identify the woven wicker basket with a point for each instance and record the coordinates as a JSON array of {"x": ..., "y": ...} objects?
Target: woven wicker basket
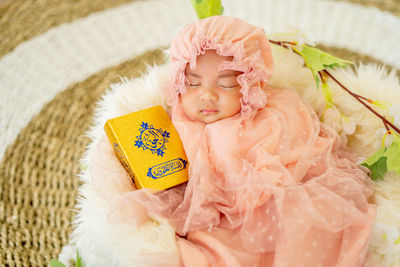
[{"x": 57, "y": 58}]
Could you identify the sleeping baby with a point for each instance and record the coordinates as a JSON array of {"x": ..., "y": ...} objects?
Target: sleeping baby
[{"x": 269, "y": 184}]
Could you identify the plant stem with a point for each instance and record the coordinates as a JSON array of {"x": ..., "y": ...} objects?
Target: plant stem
[
  {"x": 387, "y": 127},
  {"x": 282, "y": 43},
  {"x": 357, "y": 97}
]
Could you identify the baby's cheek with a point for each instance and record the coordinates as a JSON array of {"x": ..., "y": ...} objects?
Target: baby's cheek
[
  {"x": 233, "y": 101},
  {"x": 186, "y": 98},
  {"x": 188, "y": 101}
]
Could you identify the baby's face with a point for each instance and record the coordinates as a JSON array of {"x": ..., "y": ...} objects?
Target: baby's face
[{"x": 211, "y": 95}]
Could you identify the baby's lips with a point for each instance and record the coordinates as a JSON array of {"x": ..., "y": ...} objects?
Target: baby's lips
[{"x": 208, "y": 111}]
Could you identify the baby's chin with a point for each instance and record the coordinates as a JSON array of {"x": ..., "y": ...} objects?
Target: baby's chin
[{"x": 210, "y": 120}]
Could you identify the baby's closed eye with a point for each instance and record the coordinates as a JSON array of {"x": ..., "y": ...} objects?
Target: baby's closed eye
[
  {"x": 194, "y": 84},
  {"x": 229, "y": 88},
  {"x": 228, "y": 83}
]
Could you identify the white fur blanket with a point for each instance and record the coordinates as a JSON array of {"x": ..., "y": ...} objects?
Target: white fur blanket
[{"x": 101, "y": 243}]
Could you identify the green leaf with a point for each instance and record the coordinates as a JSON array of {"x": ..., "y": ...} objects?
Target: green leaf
[
  {"x": 393, "y": 156},
  {"x": 376, "y": 156},
  {"x": 79, "y": 262},
  {"x": 378, "y": 168},
  {"x": 84, "y": 167},
  {"x": 377, "y": 163},
  {"x": 318, "y": 60},
  {"x": 207, "y": 8},
  {"x": 56, "y": 263}
]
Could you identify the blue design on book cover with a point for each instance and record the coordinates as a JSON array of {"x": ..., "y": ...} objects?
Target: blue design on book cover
[
  {"x": 167, "y": 168},
  {"x": 152, "y": 139}
]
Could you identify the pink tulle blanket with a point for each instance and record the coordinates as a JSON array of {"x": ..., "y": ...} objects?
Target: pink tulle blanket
[
  {"x": 270, "y": 186},
  {"x": 275, "y": 190}
]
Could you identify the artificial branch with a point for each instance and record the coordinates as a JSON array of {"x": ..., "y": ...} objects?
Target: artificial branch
[
  {"x": 359, "y": 98},
  {"x": 282, "y": 43}
]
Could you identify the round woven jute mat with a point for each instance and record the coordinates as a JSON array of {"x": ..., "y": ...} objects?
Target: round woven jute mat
[{"x": 39, "y": 171}]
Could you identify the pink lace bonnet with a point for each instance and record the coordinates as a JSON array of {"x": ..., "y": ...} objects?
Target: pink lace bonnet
[{"x": 228, "y": 36}]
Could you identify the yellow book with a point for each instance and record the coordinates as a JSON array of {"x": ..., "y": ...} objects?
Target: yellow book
[{"x": 149, "y": 147}]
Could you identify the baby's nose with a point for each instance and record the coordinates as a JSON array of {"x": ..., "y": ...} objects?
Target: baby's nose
[{"x": 208, "y": 94}]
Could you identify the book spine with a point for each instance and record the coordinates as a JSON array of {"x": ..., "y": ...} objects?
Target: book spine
[{"x": 119, "y": 151}]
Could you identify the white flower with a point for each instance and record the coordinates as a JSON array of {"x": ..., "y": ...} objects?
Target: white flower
[
  {"x": 379, "y": 138},
  {"x": 343, "y": 125},
  {"x": 331, "y": 116},
  {"x": 389, "y": 139},
  {"x": 394, "y": 111},
  {"x": 385, "y": 243},
  {"x": 348, "y": 125}
]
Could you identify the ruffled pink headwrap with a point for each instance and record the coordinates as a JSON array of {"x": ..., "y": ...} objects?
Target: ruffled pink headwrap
[
  {"x": 228, "y": 36},
  {"x": 271, "y": 186}
]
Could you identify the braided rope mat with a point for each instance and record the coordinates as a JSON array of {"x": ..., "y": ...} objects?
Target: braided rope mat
[{"x": 38, "y": 172}]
